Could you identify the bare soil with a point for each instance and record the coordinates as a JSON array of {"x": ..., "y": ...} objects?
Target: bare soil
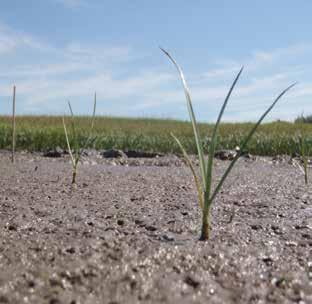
[{"x": 128, "y": 233}]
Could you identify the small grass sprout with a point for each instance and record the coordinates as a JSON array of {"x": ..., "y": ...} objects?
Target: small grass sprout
[
  {"x": 76, "y": 151},
  {"x": 207, "y": 195},
  {"x": 13, "y": 126},
  {"x": 303, "y": 166}
]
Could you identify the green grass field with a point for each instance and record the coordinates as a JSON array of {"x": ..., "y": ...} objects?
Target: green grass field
[{"x": 40, "y": 133}]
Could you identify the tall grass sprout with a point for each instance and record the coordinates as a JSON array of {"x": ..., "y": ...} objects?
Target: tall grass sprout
[{"x": 207, "y": 195}]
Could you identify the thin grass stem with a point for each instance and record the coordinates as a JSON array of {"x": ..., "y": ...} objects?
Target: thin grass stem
[{"x": 13, "y": 126}]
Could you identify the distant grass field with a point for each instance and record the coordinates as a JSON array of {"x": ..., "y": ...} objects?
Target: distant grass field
[{"x": 41, "y": 133}]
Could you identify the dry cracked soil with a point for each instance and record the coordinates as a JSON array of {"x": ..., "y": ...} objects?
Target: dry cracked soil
[{"x": 128, "y": 233}]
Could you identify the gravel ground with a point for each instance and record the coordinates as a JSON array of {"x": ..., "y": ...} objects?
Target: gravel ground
[{"x": 128, "y": 233}]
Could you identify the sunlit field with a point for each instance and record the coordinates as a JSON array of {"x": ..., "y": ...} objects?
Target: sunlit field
[{"x": 40, "y": 133}]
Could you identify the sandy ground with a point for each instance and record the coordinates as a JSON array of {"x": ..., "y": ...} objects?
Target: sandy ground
[{"x": 129, "y": 233}]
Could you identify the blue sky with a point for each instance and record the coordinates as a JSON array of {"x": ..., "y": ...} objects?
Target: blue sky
[{"x": 59, "y": 50}]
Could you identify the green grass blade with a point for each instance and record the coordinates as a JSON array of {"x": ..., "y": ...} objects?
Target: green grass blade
[
  {"x": 305, "y": 165},
  {"x": 299, "y": 166},
  {"x": 196, "y": 180},
  {"x": 68, "y": 144},
  {"x": 303, "y": 169},
  {"x": 245, "y": 142},
  {"x": 213, "y": 143},
  {"x": 73, "y": 124},
  {"x": 93, "y": 114},
  {"x": 70, "y": 109},
  {"x": 304, "y": 159},
  {"x": 199, "y": 145}
]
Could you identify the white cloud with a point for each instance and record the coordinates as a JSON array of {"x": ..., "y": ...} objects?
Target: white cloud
[
  {"x": 220, "y": 72},
  {"x": 258, "y": 60},
  {"x": 75, "y": 70},
  {"x": 7, "y": 44},
  {"x": 293, "y": 50},
  {"x": 11, "y": 41},
  {"x": 77, "y": 52}
]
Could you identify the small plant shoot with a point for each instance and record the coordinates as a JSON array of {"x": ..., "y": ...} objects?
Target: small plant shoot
[
  {"x": 13, "y": 126},
  {"x": 304, "y": 159},
  {"x": 207, "y": 195},
  {"x": 75, "y": 151}
]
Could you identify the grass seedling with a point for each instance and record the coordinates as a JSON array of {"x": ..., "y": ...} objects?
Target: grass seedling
[
  {"x": 304, "y": 166},
  {"x": 207, "y": 195},
  {"x": 76, "y": 152},
  {"x": 13, "y": 125}
]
